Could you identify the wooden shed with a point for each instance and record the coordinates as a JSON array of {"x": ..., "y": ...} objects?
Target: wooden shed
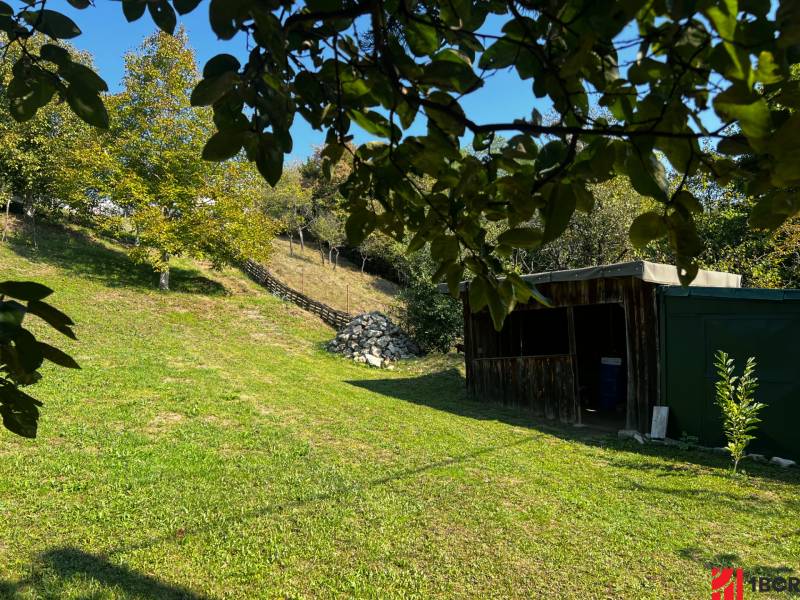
[{"x": 593, "y": 358}]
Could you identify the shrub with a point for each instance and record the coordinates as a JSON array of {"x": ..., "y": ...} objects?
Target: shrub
[
  {"x": 432, "y": 318},
  {"x": 735, "y": 400}
]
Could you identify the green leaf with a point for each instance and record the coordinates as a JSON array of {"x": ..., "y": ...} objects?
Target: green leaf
[
  {"x": 25, "y": 290},
  {"x": 55, "y": 54},
  {"x": 478, "y": 293},
  {"x": 223, "y": 145},
  {"x": 688, "y": 202},
  {"x": 521, "y": 237},
  {"x": 498, "y": 307},
  {"x": 57, "y": 356},
  {"x": 421, "y": 37},
  {"x": 768, "y": 71},
  {"x": 208, "y": 91},
  {"x": 88, "y": 106},
  {"x": 223, "y": 17},
  {"x": 371, "y": 122},
  {"x": 444, "y": 248},
  {"x": 52, "y": 23},
  {"x": 503, "y": 53},
  {"x": 163, "y": 15},
  {"x": 79, "y": 75},
  {"x": 133, "y": 9},
  {"x": 552, "y": 154},
  {"x": 269, "y": 159},
  {"x": 646, "y": 228},
  {"x": 450, "y": 70},
  {"x": 558, "y": 211},
  {"x": 80, "y": 4},
  {"x": 646, "y": 173},
  {"x": 359, "y": 225},
  {"x": 747, "y": 108},
  {"x": 221, "y": 64},
  {"x": 186, "y": 6}
]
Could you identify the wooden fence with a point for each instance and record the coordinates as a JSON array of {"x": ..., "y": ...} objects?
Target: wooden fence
[{"x": 335, "y": 318}]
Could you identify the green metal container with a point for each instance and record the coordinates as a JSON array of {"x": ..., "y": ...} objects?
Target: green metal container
[{"x": 694, "y": 324}]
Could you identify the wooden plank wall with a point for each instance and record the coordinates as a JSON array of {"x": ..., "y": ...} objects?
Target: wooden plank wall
[
  {"x": 638, "y": 299},
  {"x": 540, "y": 384}
]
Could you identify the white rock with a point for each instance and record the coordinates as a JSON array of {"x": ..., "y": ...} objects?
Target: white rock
[
  {"x": 373, "y": 361},
  {"x": 757, "y": 458},
  {"x": 782, "y": 462}
]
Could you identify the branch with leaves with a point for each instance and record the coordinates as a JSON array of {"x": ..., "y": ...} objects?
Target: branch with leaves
[{"x": 629, "y": 83}]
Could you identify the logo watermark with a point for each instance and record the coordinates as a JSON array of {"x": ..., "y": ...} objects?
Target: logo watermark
[{"x": 729, "y": 583}]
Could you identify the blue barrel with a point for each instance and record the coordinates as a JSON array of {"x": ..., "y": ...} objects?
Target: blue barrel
[{"x": 612, "y": 387}]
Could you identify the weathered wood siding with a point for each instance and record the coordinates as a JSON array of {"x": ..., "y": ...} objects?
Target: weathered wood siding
[
  {"x": 541, "y": 384},
  {"x": 482, "y": 344}
]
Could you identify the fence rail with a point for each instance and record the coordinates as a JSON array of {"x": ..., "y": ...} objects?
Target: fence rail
[{"x": 335, "y": 318}]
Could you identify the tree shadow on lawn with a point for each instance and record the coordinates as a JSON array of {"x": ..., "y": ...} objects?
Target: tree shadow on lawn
[
  {"x": 446, "y": 391},
  {"x": 76, "y": 252},
  {"x": 730, "y": 559},
  {"x": 70, "y": 563}
]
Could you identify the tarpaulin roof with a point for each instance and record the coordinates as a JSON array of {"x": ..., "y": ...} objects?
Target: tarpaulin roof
[{"x": 646, "y": 271}]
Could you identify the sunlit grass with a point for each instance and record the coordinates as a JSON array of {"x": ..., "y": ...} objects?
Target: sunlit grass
[{"x": 210, "y": 448}]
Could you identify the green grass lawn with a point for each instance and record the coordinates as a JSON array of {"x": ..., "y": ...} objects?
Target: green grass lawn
[{"x": 210, "y": 448}]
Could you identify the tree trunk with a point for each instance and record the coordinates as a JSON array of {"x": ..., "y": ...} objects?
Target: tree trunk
[
  {"x": 302, "y": 242},
  {"x": 163, "y": 276},
  {"x": 29, "y": 213},
  {"x": 330, "y": 254},
  {"x": 291, "y": 245},
  {"x": 336, "y": 263},
  {"x": 322, "y": 254},
  {"x": 363, "y": 263},
  {"x": 8, "y": 210}
]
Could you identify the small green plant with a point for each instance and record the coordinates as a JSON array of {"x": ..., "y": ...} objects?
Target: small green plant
[{"x": 735, "y": 400}]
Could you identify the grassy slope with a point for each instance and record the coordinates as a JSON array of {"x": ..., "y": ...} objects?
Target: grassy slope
[
  {"x": 210, "y": 448},
  {"x": 305, "y": 272}
]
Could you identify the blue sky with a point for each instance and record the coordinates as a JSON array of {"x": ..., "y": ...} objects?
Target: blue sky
[{"x": 108, "y": 36}]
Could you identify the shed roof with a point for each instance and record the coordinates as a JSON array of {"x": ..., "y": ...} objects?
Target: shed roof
[{"x": 650, "y": 272}]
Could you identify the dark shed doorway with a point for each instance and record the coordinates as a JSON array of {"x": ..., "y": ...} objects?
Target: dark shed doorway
[{"x": 601, "y": 365}]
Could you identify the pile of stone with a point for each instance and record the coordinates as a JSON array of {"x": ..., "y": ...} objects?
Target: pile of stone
[{"x": 372, "y": 338}]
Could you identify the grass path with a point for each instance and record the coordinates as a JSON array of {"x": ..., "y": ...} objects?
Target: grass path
[{"x": 209, "y": 448}]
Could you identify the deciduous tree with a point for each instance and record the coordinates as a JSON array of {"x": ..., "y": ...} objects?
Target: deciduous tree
[{"x": 401, "y": 71}]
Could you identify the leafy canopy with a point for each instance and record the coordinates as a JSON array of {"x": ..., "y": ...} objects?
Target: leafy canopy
[{"x": 629, "y": 81}]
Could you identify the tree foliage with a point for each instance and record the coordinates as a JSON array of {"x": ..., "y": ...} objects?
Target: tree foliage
[
  {"x": 435, "y": 320},
  {"x": 291, "y": 204},
  {"x": 402, "y": 70},
  {"x": 149, "y": 167}
]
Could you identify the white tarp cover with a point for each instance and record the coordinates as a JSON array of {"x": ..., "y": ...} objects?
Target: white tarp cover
[
  {"x": 641, "y": 269},
  {"x": 646, "y": 271}
]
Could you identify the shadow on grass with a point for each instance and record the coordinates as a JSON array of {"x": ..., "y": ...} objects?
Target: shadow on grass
[
  {"x": 446, "y": 391},
  {"x": 730, "y": 559},
  {"x": 76, "y": 252},
  {"x": 68, "y": 564}
]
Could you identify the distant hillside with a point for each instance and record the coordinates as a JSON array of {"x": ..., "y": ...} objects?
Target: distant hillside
[{"x": 345, "y": 288}]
